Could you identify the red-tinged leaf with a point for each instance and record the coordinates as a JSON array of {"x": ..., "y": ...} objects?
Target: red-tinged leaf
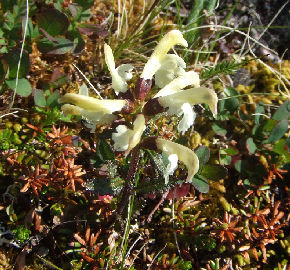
[
  {"x": 264, "y": 251},
  {"x": 87, "y": 258},
  {"x": 93, "y": 30},
  {"x": 255, "y": 253},
  {"x": 88, "y": 233},
  {"x": 58, "y": 78},
  {"x": 79, "y": 239},
  {"x": 179, "y": 191}
]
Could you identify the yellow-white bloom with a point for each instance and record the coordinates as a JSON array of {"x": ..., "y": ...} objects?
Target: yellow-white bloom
[
  {"x": 94, "y": 110},
  {"x": 165, "y": 44},
  {"x": 172, "y": 66},
  {"x": 176, "y": 85},
  {"x": 180, "y": 103},
  {"x": 184, "y": 154},
  {"x": 119, "y": 75},
  {"x": 126, "y": 139}
]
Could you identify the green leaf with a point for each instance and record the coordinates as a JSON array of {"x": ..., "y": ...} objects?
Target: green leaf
[
  {"x": 219, "y": 130},
  {"x": 23, "y": 87},
  {"x": 225, "y": 160},
  {"x": 193, "y": 21},
  {"x": 229, "y": 151},
  {"x": 85, "y": 3},
  {"x": 75, "y": 10},
  {"x": 282, "y": 149},
  {"x": 53, "y": 22},
  {"x": 12, "y": 58},
  {"x": 39, "y": 98},
  {"x": 52, "y": 99},
  {"x": 21, "y": 233},
  {"x": 283, "y": 112},
  {"x": 241, "y": 166},
  {"x": 7, "y": 4},
  {"x": 230, "y": 104},
  {"x": 251, "y": 145},
  {"x": 259, "y": 110},
  {"x": 278, "y": 131},
  {"x": 269, "y": 124},
  {"x": 32, "y": 31},
  {"x": 224, "y": 67},
  {"x": 200, "y": 183},
  {"x": 214, "y": 172},
  {"x": 203, "y": 154},
  {"x": 79, "y": 43},
  {"x": 78, "y": 12},
  {"x": 158, "y": 161},
  {"x": 58, "y": 46},
  {"x": 104, "y": 151}
]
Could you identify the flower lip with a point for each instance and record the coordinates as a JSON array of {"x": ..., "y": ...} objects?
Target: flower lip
[{"x": 171, "y": 67}]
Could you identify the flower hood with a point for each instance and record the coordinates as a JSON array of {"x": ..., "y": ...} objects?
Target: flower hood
[
  {"x": 172, "y": 38},
  {"x": 119, "y": 75}
]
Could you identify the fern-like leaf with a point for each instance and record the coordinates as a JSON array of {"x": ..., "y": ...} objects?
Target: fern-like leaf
[{"x": 222, "y": 68}]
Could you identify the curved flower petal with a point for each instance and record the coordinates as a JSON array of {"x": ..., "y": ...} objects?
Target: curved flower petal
[
  {"x": 94, "y": 104},
  {"x": 118, "y": 82},
  {"x": 96, "y": 118},
  {"x": 165, "y": 44},
  {"x": 126, "y": 139},
  {"x": 192, "y": 96},
  {"x": 184, "y": 154},
  {"x": 171, "y": 67},
  {"x": 188, "y": 78}
]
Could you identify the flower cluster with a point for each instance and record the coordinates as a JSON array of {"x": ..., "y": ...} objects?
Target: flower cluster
[{"x": 179, "y": 91}]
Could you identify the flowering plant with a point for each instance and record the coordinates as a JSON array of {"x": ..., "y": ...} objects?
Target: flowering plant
[{"x": 174, "y": 97}]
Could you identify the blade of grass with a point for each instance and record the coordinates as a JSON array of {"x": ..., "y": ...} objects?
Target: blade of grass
[
  {"x": 20, "y": 56},
  {"x": 194, "y": 20},
  {"x": 224, "y": 23}
]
